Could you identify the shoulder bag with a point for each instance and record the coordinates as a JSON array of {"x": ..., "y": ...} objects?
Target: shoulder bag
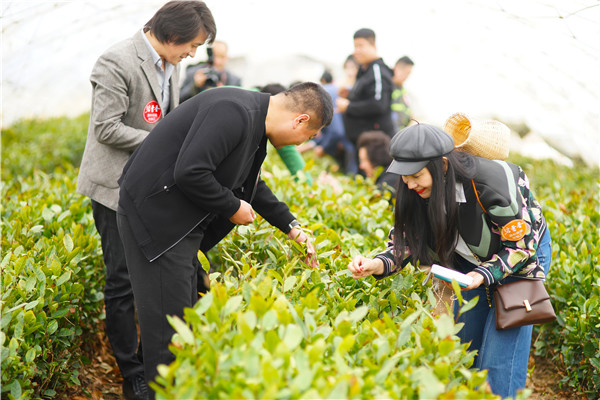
[{"x": 522, "y": 302}]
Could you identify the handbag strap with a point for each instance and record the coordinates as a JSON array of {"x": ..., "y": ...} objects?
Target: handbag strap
[{"x": 477, "y": 195}]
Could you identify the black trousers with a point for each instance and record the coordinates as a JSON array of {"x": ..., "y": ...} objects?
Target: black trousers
[
  {"x": 121, "y": 328},
  {"x": 162, "y": 287}
]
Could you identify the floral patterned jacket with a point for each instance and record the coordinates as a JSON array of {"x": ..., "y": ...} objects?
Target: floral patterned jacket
[{"x": 501, "y": 223}]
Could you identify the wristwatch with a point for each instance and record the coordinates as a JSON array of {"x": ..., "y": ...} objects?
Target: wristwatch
[{"x": 294, "y": 224}]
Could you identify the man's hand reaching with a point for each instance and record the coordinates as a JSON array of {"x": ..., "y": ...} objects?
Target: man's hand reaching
[{"x": 299, "y": 236}]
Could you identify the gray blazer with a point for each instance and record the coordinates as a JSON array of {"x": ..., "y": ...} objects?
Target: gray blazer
[{"x": 125, "y": 92}]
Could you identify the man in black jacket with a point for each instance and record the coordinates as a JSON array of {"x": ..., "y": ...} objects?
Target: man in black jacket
[
  {"x": 192, "y": 180},
  {"x": 367, "y": 107}
]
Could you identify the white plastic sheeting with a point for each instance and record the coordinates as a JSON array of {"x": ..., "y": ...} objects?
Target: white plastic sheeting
[{"x": 534, "y": 62}]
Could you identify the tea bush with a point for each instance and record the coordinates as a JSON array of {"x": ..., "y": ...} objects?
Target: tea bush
[
  {"x": 51, "y": 283},
  {"x": 571, "y": 203},
  {"x": 52, "y": 277},
  {"x": 42, "y": 144},
  {"x": 357, "y": 221},
  {"x": 574, "y": 342},
  {"x": 271, "y": 327},
  {"x": 248, "y": 340}
]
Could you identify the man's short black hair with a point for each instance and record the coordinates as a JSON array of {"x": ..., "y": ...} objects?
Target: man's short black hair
[
  {"x": 365, "y": 33},
  {"x": 311, "y": 98},
  {"x": 181, "y": 22},
  {"x": 405, "y": 60},
  {"x": 377, "y": 144}
]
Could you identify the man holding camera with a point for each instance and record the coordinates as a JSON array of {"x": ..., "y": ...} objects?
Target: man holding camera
[{"x": 212, "y": 73}]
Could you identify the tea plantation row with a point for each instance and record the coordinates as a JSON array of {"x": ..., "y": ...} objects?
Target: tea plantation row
[{"x": 270, "y": 327}]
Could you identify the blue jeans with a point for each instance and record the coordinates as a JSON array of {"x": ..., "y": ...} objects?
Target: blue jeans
[{"x": 504, "y": 353}]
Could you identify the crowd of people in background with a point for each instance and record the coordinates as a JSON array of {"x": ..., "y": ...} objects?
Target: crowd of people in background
[
  {"x": 370, "y": 97},
  {"x": 167, "y": 179}
]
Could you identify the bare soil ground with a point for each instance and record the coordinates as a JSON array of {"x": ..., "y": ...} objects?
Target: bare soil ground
[
  {"x": 101, "y": 379},
  {"x": 544, "y": 381}
]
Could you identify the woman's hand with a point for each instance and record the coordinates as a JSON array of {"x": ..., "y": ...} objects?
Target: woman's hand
[
  {"x": 362, "y": 267},
  {"x": 299, "y": 236},
  {"x": 477, "y": 280}
]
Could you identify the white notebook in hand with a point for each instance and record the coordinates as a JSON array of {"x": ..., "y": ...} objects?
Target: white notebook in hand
[{"x": 448, "y": 275}]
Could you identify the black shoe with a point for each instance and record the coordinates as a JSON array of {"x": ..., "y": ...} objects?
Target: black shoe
[{"x": 136, "y": 388}]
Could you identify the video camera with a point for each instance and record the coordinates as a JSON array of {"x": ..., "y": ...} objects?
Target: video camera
[{"x": 212, "y": 75}]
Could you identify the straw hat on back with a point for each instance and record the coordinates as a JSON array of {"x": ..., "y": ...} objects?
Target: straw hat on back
[{"x": 481, "y": 137}]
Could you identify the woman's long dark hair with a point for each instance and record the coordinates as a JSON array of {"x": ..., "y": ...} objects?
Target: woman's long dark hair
[{"x": 429, "y": 227}]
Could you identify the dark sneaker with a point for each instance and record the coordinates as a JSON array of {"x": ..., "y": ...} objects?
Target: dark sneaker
[{"x": 136, "y": 388}]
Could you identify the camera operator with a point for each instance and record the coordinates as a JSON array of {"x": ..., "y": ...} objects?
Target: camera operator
[{"x": 208, "y": 74}]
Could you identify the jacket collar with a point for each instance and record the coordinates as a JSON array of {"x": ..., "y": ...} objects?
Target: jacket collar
[{"x": 147, "y": 64}]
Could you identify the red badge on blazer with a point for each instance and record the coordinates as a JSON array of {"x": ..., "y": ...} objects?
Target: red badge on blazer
[{"x": 152, "y": 112}]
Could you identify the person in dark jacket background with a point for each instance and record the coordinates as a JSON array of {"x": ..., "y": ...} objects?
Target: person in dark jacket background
[
  {"x": 194, "y": 178},
  {"x": 368, "y": 106}
]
